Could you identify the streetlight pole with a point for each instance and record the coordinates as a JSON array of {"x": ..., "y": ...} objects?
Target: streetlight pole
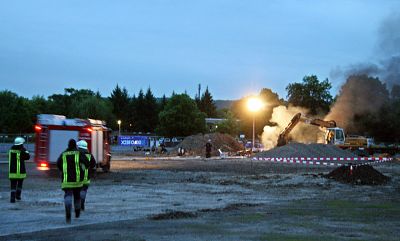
[
  {"x": 254, "y": 124},
  {"x": 254, "y": 105},
  {"x": 119, "y": 127}
]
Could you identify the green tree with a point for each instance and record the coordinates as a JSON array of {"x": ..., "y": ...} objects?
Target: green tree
[
  {"x": 150, "y": 113},
  {"x": 395, "y": 93},
  {"x": 207, "y": 104},
  {"x": 16, "y": 115},
  {"x": 59, "y": 104},
  {"x": 163, "y": 103},
  {"x": 120, "y": 104},
  {"x": 181, "y": 117},
  {"x": 139, "y": 105},
  {"x": 311, "y": 94},
  {"x": 94, "y": 107},
  {"x": 62, "y": 104},
  {"x": 230, "y": 125},
  {"x": 38, "y": 105},
  {"x": 132, "y": 114}
]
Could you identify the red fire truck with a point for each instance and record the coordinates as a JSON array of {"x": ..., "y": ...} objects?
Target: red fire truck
[{"x": 54, "y": 131}]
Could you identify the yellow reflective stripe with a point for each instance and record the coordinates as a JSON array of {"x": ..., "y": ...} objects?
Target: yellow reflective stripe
[
  {"x": 86, "y": 177},
  {"x": 9, "y": 163},
  {"x": 17, "y": 174},
  {"x": 18, "y": 163},
  {"x": 71, "y": 184},
  {"x": 77, "y": 168},
  {"x": 64, "y": 157},
  {"x": 13, "y": 175},
  {"x": 65, "y": 183}
]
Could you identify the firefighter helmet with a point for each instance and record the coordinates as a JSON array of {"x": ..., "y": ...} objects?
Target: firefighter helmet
[
  {"x": 82, "y": 144},
  {"x": 19, "y": 141}
]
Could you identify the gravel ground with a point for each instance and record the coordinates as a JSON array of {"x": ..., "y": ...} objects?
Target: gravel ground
[
  {"x": 206, "y": 199},
  {"x": 306, "y": 150}
]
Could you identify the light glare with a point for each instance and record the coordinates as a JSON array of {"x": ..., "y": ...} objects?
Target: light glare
[{"x": 254, "y": 104}]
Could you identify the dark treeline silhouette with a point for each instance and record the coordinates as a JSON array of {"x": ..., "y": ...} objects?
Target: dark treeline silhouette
[
  {"x": 137, "y": 113},
  {"x": 143, "y": 112}
]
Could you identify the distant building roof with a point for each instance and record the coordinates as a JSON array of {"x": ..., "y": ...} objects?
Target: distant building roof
[{"x": 214, "y": 120}]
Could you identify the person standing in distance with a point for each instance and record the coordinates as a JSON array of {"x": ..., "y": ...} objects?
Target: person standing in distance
[
  {"x": 83, "y": 148},
  {"x": 70, "y": 164},
  {"x": 16, "y": 167},
  {"x": 208, "y": 148}
]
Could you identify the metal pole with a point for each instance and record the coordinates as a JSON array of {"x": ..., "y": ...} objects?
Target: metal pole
[
  {"x": 119, "y": 129},
  {"x": 253, "y": 132}
]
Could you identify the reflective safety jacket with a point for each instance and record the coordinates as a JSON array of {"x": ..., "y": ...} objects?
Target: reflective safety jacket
[
  {"x": 16, "y": 162},
  {"x": 69, "y": 163},
  {"x": 92, "y": 165}
]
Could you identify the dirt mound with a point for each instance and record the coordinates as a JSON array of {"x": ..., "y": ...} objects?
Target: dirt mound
[
  {"x": 170, "y": 214},
  {"x": 229, "y": 207},
  {"x": 306, "y": 150},
  {"x": 195, "y": 145},
  {"x": 361, "y": 175}
]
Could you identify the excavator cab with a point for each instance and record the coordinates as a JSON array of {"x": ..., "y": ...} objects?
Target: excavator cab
[{"x": 334, "y": 136}]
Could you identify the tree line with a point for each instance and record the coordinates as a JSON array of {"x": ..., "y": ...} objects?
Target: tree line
[
  {"x": 181, "y": 115},
  {"x": 177, "y": 115}
]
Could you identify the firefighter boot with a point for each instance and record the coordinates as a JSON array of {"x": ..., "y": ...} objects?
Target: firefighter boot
[
  {"x": 83, "y": 204},
  {"x": 18, "y": 196},
  {"x": 12, "y": 198},
  {"x": 77, "y": 213},
  {"x": 68, "y": 214}
]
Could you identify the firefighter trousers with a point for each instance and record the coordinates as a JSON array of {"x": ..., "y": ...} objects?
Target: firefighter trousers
[
  {"x": 16, "y": 189},
  {"x": 68, "y": 194},
  {"x": 83, "y": 196}
]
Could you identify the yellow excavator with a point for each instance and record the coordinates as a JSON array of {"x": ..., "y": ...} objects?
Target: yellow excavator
[{"x": 333, "y": 135}]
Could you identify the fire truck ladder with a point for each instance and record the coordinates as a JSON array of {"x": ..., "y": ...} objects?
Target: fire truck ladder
[{"x": 43, "y": 139}]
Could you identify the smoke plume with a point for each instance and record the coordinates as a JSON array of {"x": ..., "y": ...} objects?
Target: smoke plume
[
  {"x": 387, "y": 65},
  {"x": 389, "y": 49},
  {"x": 368, "y": 85},
  {"x": 359, "y": 95},
  {"x": 282, "y": 115}
]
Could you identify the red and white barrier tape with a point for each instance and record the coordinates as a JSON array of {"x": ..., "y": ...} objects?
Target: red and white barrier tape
[
  {"x": 324, "y": 160},
  {"x": 328, "y": 158}
]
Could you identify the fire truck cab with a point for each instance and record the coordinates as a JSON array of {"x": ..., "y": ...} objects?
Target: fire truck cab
[{"x": 54, "y": 131}]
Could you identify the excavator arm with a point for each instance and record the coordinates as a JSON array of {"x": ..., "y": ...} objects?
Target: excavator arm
[
  {"x": 319, "y": 122},
  {"x": 283, "y": 138},
  {"x": 284, "y": 135}
]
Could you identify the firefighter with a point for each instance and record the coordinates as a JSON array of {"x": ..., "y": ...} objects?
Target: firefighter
[
  {"x": 208, "y": 148},
  {"x": 70, "y": 164},
  {"x": 16, "y": 167},
  {"x": 82, "y": 146}
]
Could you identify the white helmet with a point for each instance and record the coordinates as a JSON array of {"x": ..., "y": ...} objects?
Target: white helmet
[
  {"x": 82, "y": 144},
  {"x": 19, "y": 141}
]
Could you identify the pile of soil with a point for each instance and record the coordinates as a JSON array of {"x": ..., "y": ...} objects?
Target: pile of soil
[
  {"x": 306, "y": 150},
  {"x": 360, "y": 175},
  {"x": 195, "y": 145},
  {"x": 170, "y": 214},
  {"x": 229, "y": 207}
]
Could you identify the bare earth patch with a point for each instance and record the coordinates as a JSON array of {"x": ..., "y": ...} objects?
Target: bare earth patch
[{"x": 213, "y": 199}]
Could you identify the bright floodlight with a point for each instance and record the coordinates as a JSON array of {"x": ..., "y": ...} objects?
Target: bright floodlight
[
  {"x": 254, "y": 104},
  {"x": 119, "y": 122}
]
